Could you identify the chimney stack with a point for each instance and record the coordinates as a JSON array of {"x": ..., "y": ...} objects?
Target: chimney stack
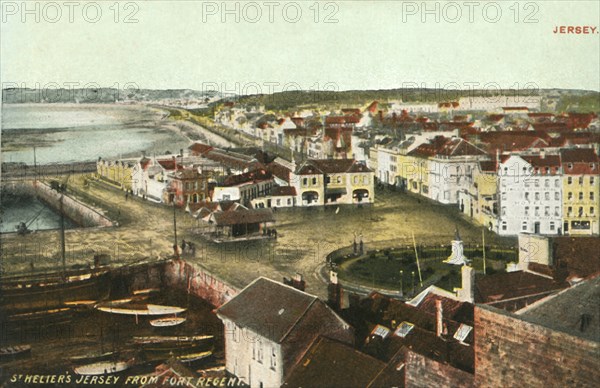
[
  {"x": 466, "y": 293},
  {"x": 439, "y": 317}
]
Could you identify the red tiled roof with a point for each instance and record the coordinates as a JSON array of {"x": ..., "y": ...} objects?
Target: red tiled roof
[
  {"x": 444, "y": 146},
  {"x": 282, "y": 191},
  {"x": 251, "y": 176},
  {"x": 200, "y": 149},
  {"x": 542, "y": 162},
  {"x": 169, "y": 164}
]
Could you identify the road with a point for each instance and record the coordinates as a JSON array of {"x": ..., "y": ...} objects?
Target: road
[{"x": 305, "y": 236}]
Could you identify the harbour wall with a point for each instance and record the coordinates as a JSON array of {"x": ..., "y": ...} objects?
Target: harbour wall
[{"x": 80, "y": 213}]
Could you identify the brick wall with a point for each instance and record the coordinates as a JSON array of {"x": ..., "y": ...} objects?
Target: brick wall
[
  {"x": 513, "y": 352},
  {"x": 421, "y": 371},
  {"x": 199, "y": 282}
]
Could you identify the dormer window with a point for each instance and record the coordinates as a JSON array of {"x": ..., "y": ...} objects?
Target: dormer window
[{"x": 570, "y": 166}]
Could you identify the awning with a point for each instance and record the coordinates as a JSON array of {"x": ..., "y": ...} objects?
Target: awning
[{"x": 340, "y": 190}]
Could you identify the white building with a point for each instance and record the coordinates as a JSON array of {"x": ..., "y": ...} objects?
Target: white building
[
  {"x": 268, "y": 328},
  {"x": 530, "y": 195},
  {"x": 496, "y": 103},
  {"x": 452, "y": 168}
]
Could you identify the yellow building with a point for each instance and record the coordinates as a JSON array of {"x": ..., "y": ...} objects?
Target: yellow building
[
  {"x": 333, "y": 181},
  {"x": 116, "y": 172},
  {"x": 581, "y": 189},
  {"x": 486, "y": 188}
]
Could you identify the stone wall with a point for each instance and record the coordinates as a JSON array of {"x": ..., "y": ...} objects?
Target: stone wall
[
  {"x": 421, "y": 371},
  {"x": 199, "y": 282},
  {"x": 512, "y": 352},
  {"x": 75, "y": 210},
  {"x": 80, "y": 213}
]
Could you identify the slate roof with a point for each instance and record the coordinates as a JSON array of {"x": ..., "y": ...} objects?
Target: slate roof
[
  {"x": 243, "y": 216},
  {"x": 575, "y": 310},
  {"x": 579, "y": 255},
  {"x": 512, "y": 285},
  {"x": 269, "y": 308},
  {"x": 331, "y": 166},
  {"x": 329, "y": 363}
]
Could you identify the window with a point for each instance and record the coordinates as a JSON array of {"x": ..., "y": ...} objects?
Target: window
[
  {"x": 580, "y": 180},
  {"x": 526, "y": 210},
  {"x": 537, "y": 183},
  {"x": 537, "y": 196},
  {"x": 504, "y": 196},
  {"x": 570, "y": 195},
  {"x": 260, "y": 351},
  {"x": 339, "y": 179},
  {"x": 569, "y": 180},
  {"x": 557, "y": 183},
  {"x": 592, "y": 195},
  {"x": 524, "y": 226},
  {"x": 503, "y": 225},
  {"x": 580, "y": 195},
  {"x": 537, "y": 211},
  {"x": 289, "y": 201},
  {"x": 503, "y": 210},
  {"x": 314, "y": 181},
  {"x": 547, "y": 210},
  {"x": 527, "y": 196},
  {"x": 278, "y": 202},
  {"x": 547, "y": 183},
  {"x": 591, "y": 180},
  {"x": 556, "y": 211},
  {"x": 592, "y": 210},
  {"x": 547, "y": 196},
  {"x": 365, "y": 179},
  {"x": 273, "y": 358},
  {"x": 355, "y": 180},
  {"x": 569, "y": 210},
  {"x": 580, "y": 212},
  {"x": 556, "y": 195},
  {"x": 328, "y": 180},
  {"x": 305, "y": 182},
  {"x": 551, "y": 225}
]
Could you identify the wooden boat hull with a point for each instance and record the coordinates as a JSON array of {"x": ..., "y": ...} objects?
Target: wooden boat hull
[
  {"x": 167, "y": 322},
  {"x": 162, "y": 348},
  {"x": 45, "y": 293},
  {"x": 150, "y": 310},
  {"x": 10, "y": 353},
  {"x": 102, "y": 368}
]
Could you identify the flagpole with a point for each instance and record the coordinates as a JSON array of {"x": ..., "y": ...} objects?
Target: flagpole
[
  {"x": 483, "y": 239},
  {"x": 417, "y": 256}
]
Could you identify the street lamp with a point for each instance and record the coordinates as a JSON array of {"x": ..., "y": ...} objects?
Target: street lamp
[
  {"x": 401, "y": 283},
  {"x": 413, "y": 282}
]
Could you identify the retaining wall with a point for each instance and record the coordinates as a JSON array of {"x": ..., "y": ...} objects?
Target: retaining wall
[{"x": 198, "y": 281}]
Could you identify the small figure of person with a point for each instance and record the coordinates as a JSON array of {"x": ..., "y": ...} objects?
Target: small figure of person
[
  {"x": 126, "y": 195},
  {"x": 183, "y": 245}
]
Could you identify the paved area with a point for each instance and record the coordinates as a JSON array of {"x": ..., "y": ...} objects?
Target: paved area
[{"x": 305, "y": 236}]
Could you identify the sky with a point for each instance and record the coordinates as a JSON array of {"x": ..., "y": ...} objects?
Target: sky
[{"x": 266, "y": 46}]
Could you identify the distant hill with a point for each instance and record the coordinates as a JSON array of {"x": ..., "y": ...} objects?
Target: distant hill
[
  {"x": 563, "y": 100},
  {"x": 559, "y": 100}
]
